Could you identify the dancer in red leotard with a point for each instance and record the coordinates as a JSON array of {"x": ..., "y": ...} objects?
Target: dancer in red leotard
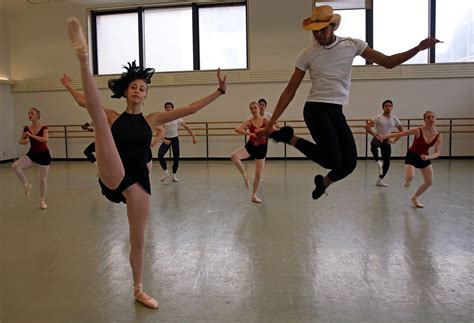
[
  {"x": 37, "y": 134},
  {"x": 418, "y": 155},
  {"x": 256, "y": 148}
]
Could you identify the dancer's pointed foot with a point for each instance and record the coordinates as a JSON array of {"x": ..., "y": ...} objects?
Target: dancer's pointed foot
[
  {"x": 246, "y": 181},
  {"x": 255, "y": 199},
  {"x": 283, "y": 134},
  {"x": 43, "y": 205},
  {"x": 415, "y": 202},
  {"x": 27, "y": 188},
  {"x": 407, "y": 183},
  {"x": 144, "y": 298},
  {"x": 77, "y": 39},
  {"x": 320, "y": 189}
]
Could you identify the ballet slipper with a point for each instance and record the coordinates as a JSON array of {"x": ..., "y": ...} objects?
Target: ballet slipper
[
  {"x": 246, "y": 181},
  {"x": 406, "y": 184},
  {"x": 255, "y": 199},
  {"x": 144, "y": 298},
  {"x": 28, "y": 189},
  {"x": 415, "y": 202},
  {"x": 77, "y": 39},
  {"x": 43, "y": 205}
]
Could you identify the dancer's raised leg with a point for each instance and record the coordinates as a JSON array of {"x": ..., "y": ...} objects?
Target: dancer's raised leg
[
  {"x": 18, "y": 167},
  {"x": 109, "y": 164},
  {"x": 236, "y": 158}
]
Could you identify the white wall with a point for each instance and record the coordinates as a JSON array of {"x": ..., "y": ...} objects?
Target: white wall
[{"x": 275, "y": 37}]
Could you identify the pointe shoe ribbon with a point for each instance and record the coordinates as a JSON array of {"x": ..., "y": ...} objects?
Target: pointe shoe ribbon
[{"x": 77, "y": 39}]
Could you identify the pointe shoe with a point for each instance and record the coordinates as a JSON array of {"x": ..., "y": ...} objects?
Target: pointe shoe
[
  {"x": 43, "y": 205},
  {"x": 28, "y": 189},
  {"x": 144, "y": 298},
  {"x": 255, "y": 199},
  {"x": 415, "y": 202},
  {"x": 77, "y": 39},
  {"x": 406, "y": 184}
]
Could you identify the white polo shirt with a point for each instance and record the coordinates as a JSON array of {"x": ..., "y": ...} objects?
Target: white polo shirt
[
  {"x": 172, "y": 128},
  {"x": 330, "y": 68},
  {"x": 384, "y": 125}
]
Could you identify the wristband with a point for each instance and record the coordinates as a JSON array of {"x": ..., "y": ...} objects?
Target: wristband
[{"x": 220, "y": 90}]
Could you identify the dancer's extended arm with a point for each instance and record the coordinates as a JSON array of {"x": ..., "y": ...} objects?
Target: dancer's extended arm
[{"x": 158, "y": 118}]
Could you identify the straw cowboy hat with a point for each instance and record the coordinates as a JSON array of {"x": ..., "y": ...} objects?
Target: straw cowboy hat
[{"x": 321, "y": 17}]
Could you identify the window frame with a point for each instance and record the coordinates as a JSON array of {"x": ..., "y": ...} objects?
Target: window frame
[{"x": 140, "y": 11}]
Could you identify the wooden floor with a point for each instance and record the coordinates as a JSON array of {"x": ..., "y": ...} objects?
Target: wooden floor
[{"x": 360, "y": 254}]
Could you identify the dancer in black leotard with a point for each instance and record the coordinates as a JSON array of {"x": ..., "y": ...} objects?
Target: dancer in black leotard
[
  {"x": 37, "y": 135},
  {"x": 123, "y": 144},
  {"x": 256, "y": 148}
]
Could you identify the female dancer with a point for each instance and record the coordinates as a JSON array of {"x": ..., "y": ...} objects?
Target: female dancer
[
  {"x": 37, "y": 134},
  {"x": 172, "y": 140},
  {"x": 123, "y": 142},
  {"x": 254, "y": 147},
  {"x": 418, "y": 155}
]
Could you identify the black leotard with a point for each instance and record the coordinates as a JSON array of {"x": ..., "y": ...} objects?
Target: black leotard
[{"x": 132, "y": 135}]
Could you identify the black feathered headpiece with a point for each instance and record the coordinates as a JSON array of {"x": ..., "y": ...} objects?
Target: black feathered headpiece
[{"x": 134, "y": 72}]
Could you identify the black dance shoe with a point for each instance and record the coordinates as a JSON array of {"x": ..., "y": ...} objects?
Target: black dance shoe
[
  {"x": 319, "y": 189},
  {"x": 283, "y": 134}
]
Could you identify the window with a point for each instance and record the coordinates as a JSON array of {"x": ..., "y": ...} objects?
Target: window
[
  {"x": 455, "y": 27},
  {"x": 222, "y": 37},
  {"x": 166, "y": 48},
  {"x": 170, "y": 38},
  {"x": 400, "y": 25},
  {"x": 117, "y": 41},
  {"x": 352, "y": 25}
]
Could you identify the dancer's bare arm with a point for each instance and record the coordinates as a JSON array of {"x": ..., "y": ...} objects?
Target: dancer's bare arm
[
  {"x": 158, "y": 118},
  {"x": 241, "y": 130},
  {"x": 159, "y": 135},
  {"x": 80, "y": 99},
  {"x": 414, "y": 131},
  {"x": 23, "y": 139},
  {"x": 188, "y": 129},
  {"x": 394, "y": 60},
  {"x": 285, "y": 98},
  {"x": 437, "y": 150},
  {"x": 44, "y": 138},
  {"x": 368, "y": 128}
]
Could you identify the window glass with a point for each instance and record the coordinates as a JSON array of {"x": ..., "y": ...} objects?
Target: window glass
[
  {"x": 400, "y": 25},
  {"x": 222, "y": 37},
  {"x": 455, "y": 27},
  {"x": 352, "y": 25},
  {"x": 168, "y": 35},
  {"x": 117, "y": 41}
]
